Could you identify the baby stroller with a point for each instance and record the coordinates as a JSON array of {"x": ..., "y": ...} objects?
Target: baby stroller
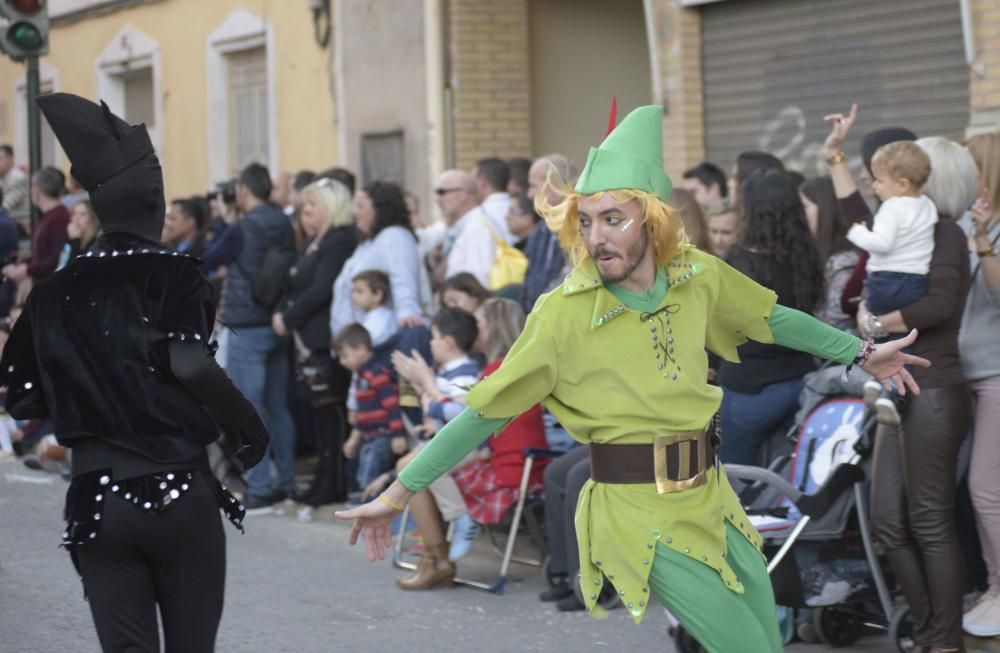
[{"x": 811, "y": 507}]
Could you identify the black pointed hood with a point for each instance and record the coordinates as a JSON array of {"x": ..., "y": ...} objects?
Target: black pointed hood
[{"x": 114, "y": 161}]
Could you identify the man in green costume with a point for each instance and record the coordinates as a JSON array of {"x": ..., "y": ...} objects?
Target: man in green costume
[{"x": 617, "y": 354}]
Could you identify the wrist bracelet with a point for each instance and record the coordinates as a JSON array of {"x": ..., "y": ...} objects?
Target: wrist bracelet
[
  {"x": 386, "y": 501},
  {"x": 989, "y": 251},
  {"x": 865, "y": 351},
  {"x": 833, "y": 160}
]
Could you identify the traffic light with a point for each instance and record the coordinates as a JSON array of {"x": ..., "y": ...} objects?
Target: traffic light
[{"x": 26, "y": 33}]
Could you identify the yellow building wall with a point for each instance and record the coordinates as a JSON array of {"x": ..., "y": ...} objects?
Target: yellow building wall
[{"x": 306, "y": 129}]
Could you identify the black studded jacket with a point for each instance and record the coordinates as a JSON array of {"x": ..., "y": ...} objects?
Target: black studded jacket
[{"x": 114, "y": 348}]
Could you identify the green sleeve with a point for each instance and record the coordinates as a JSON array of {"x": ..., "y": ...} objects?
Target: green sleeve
[
  {"x": 452, "y": 443},
  {"x": 797, "y": 330}
]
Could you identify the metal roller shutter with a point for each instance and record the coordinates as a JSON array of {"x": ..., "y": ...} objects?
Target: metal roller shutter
[{"x": 774, "y": 68}]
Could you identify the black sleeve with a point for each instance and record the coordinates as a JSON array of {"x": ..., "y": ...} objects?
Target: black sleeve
[
  {"x": 193, "y": 365},
  {"x": 187, "y": 307},
  {"x": 319, "y": 294},
  {"x": 19, "y": 372}
]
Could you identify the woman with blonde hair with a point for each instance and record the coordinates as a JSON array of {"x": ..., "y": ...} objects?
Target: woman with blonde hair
[
  {"x": 305, "y": 313},
  {"x": 979, "y": 349},
  {"x": 691, "y": 214}
]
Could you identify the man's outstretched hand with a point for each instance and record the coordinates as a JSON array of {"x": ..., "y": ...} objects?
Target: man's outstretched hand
[{"x": 887, "y": 363}]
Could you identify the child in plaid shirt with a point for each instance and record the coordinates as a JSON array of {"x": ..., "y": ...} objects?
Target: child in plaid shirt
[{"x": 378, "y": 435}]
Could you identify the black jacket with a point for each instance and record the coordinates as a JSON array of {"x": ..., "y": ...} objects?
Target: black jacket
[
  {"x": 761, "y": 365},
  {"x": 310, "y": 287},
  {"x": 114, "y": 348},
  {"x": 238, "y": 305}
]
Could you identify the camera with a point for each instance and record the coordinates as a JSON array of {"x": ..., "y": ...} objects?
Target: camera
[{"x": 226, "y": 191}]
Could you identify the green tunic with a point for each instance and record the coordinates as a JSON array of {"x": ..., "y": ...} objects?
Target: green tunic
[{"x": 613, "y": 374}]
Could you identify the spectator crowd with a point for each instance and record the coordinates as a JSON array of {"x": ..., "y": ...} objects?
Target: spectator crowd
[{"x": 356, "y": 325}]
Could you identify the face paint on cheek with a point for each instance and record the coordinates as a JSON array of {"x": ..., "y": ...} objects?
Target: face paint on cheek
[{"x": 628, "y": 223}]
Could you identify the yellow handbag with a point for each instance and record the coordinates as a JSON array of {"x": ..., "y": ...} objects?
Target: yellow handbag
[{"x": 510, "y": 265}]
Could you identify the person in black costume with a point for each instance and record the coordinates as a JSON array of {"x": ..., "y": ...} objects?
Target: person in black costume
[{"x": 114, "y": 349}]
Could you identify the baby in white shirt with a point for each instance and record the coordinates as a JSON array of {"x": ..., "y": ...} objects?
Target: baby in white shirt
[{"x": 901, "y": 240}]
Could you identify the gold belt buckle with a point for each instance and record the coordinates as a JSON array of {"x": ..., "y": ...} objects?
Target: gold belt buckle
[{"x": 689, "y": 469}]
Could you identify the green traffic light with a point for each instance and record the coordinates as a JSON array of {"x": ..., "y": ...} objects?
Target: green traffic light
[{"x": 25, "y": 36}]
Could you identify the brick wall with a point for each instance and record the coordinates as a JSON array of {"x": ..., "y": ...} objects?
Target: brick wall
[
  {"x": 678, "y": 44},
  {"x": 490, "y": 78},
  {"x": 984, "y": 77}
]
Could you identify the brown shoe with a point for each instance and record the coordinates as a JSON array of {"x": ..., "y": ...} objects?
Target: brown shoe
[{"x": 433, "y": 569}]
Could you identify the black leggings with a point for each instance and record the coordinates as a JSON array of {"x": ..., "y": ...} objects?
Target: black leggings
[{"x": 175, "y": 560}]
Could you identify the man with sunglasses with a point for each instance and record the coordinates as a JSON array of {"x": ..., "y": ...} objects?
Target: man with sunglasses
[{"x": 455, "y": 195}]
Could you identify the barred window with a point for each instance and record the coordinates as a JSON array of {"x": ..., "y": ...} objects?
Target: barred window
[{"x": 248, "y": 111}]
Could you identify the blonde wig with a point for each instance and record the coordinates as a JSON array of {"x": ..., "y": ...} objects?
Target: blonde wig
[{"x": 663, "y": 223}]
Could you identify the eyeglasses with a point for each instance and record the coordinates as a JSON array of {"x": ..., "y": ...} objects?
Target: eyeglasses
[{"x": 441, "y": 192}]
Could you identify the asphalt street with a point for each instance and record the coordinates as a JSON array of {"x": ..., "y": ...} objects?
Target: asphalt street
[{"x": 299, "y": 587}]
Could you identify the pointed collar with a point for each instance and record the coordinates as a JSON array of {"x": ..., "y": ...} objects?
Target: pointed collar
[{"x": 585, "y": 278}]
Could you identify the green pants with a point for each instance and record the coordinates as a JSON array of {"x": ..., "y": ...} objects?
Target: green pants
[{"x": 721, "y": 620}]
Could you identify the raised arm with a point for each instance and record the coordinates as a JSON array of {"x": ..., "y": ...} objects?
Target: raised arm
[{"x": 840, "y": 173}]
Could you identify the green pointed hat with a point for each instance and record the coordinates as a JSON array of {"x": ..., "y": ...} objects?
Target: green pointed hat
[{"x": 630, "y": 157}]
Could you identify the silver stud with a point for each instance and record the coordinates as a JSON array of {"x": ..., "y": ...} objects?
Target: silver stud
[
  {"x": 130, "y": 252},
  {"x": 629, "y": 606},
  {"x": 593, "y": 597},
  {"x": 687, "y": 550},
  {"x": 135, "y": 500},
  {"x": 645, "y": 562},
  {"x": 147, "y": 505},
  {"x": 114, "y": 488},
  {"x": 89, "y": 254},
  {"x": 128, "y": 495},
  {"x": 114, "y": 253},
  {"x": 597, "y": 581},
  {"x": 97, "y": 516},
  {"x": 704, "y": 558},
  {"x": 184, "y": 487},
  {"x": 105, "y": 479},
  {"x": 174, "y": 494},
  {"x": 642, "y": 604},
  {"x": 28, "y": 385},
  {"x": 99, "y": 497},
  {"x": 170, "y": 477},
  {"x": 621, "y": 592},
  {"x": 163, "y": 486},
  {"x": 597, "y": 562},
  {"x": 10, "y": 368},
  {"x": 93, "y": 535},
  {"x": 67, "y": 297},
  {"x": 103, "y": 254},
  {"x": 198, "y": 337}
]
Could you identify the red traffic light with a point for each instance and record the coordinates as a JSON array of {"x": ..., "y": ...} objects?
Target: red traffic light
[{"x": 27, "y": 6}]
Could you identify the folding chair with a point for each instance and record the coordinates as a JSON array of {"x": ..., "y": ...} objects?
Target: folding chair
[{"x": 524, "y": 501}]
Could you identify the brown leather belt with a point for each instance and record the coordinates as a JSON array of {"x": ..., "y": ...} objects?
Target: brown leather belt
[{"x": 674, "y": 461}]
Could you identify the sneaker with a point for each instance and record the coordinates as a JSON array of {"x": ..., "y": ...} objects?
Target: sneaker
[
  {"x": 464, "y": 534},
  {"x": 556, "y": 593},
  {"x": 570, "y": 604},
  {"x": 886, "y": 412},
  {"x": 983, "y": 620},
  {"x": 258, "y": 505},
  {"x": 872, "y": 391}
]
